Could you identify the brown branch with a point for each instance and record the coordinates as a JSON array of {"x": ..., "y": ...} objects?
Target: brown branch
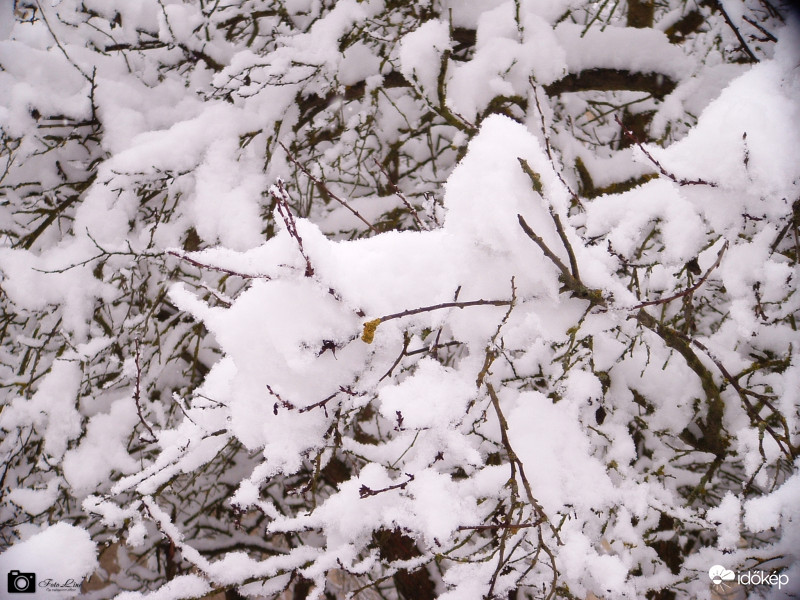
[
  {"x": 200, "y": 265},
  {"x": 513, "y": 458},
  {"x": 718, "y": 5},
  {"x": 537, "y": 186},
  {"x": 689, "y": 290},
  {"x": 657, "y": 84},
  {"x": 323, "y": 403},
  {"x": 442, "y": 109},
  {"x": 515, "y": 465},
  {"x": 322, "y": 186},
  {"x": 633, "y": 137},
  {"x": 402, "y": 196},
  {"x": 370, "y": 326},
  {"x": 511, "y": 526},
  {"x": 769, "y": 37},
  {"x": 714, "y": 440},
  {"x": 415, "y": 311},
  {"x": 575, "y": 285},
  {"x": 403, "y": 353},
  {"x": 366, "y": 492},
  {"x": 548, "y": 148},
  {"x": 281, "y": 197},
  {"x": 280, "y": 401},
  {"x": 137, "y": 395},
  {"x": 544, "y": 247},
  {"x": 792, "y": 452}
]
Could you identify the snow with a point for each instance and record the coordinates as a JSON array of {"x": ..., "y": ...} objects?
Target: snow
[
  {"x": 550, "y": 443},
  {"x": 726, "y": 517},
  {"x": 60, "y": 552},
  {"x": 576, "y": 359},
  {"x": 103, "y": 450},
  {"x": 421, "y": 52},
  {"x": 609, "y": 48},
  {"x": 183, "y": 586},
  {"x": 35, "y": 501},
  {"x": 431, "y": 397},
  {"x": 358, "y": 63},
  {"x": 52, "y": 407}
]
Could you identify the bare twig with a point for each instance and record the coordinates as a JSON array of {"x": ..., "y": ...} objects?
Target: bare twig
[
  {"x": 537, "y": 187},
  {"x": 512, "y": 526},
  {"x": 791, "y": 451},
  {"x": 516, "y": 462},
  {"x": 572, "y": 283},
  {"x": 516, "y": 465},
  {"x": 548, "y": 148},
  {"x": 322, "y": 403},
  {"x": 401, "y": 195},
  {"x": 200, "y": 265},
  {"x": 366, "y": 492},
  {"x": 281, "y": 198},
  {"x": 403, "y": 353},
  {"x": 60, "y": 47},
  {"x": 492, "y": 350},
  {"x": 280, "y": 401},
  {"x": 322, "y": 186},
  {"x": 370, "y": 326},
  {"x": 689, "y": 290},
  {"x": 770, "y": 37},
  {"x": 633, "y": 137},
  {"x": 718, "y": 5},
  {"x": 137, "y": 395},
  {"x": 415, "y": 311}
]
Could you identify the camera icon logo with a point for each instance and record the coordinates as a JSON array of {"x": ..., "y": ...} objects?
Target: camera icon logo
[{"x": 21, "y": 583}]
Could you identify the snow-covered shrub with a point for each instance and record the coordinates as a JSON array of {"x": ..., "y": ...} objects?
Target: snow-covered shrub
[{"x": 407, "y": 300}]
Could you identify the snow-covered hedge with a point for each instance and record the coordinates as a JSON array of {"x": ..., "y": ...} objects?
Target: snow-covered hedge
[{"x": 377, "y": 298}]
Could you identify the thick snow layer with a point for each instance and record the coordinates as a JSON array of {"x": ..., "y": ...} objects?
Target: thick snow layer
[
  {"x": 103, "y": 449},
  {"x": 610, "y": 48},
  {"x": 330, "y": 384},
  {"x": 60, "y": 554},
  {"x": 548, "y": 439},
  {"x": 53, "y": 408},
  {"x": 421, "y": 54}
]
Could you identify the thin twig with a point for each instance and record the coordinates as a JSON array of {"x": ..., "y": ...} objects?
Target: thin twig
[
  {"x": 60, "y": 47},
  {"x": 323, "y": 403},
  {"x": 575, "y": 285},
  {"x": 281, "y": 198},
  {"x": 370, "y": 326},
  {"x": 512, "y": 457},
  {"x": 736, "y": 32},
  {"x": 511, "y": 526},
  {"x": 280, "y": 401},
  {"x": 633, "y": 137},
  {"x": 402, "y": 196},
  {"x": 200, "y": 265},
  {"x": 137, "y": 395},
  {"x": 322, "y": 186},
  {"x": 689, "y": 290},
  {"x": 791, "y": 452},
  {"x": 544, "y": 248},
  {"x": 770, "y": 37},
  {"x": 537, "y": 186},
  {"x": 415, "y": 311},
  {"x": 403, "y": 353},
  {"x": 366, "y": 492},
  {"x": 548, "y": 148}
]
